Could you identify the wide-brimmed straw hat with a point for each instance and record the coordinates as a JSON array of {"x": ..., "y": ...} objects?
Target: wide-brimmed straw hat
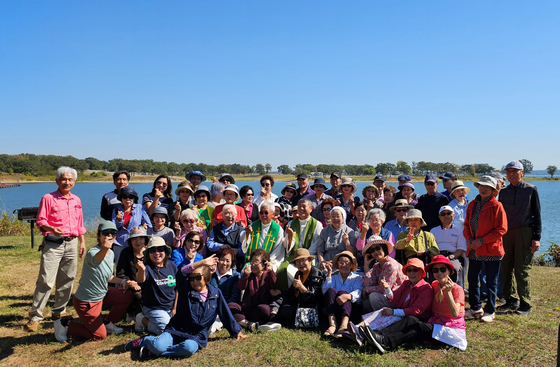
[
  {"x": 157, "y": 242},
  {"x": 349, "y": 181},
  {"x": 289, "y": 186},
  {"x": 440, "y": 259},
  {"x": 370, "y": 186},
  {"x": 349, "y": 255},
  {"x": 401, "y": 203},
  {"x": 417, "y": 263},
  {"x": 457, "y": 185},
  {"x": 373, "y": 241},
  {"x": 302, "y": 253},
  {"x": 414, "y": 213},
  {"x": 184, "y": 187},
  {"x": 486, "y": 181}
]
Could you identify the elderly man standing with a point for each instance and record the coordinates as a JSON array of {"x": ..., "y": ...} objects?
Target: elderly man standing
[
  {"x": 110, "y": 201},
  {"x": 336, "y": 180},
  {"x": 523, "y": 209},
  {"x": 61, "y": 221},
  {"x": 303, "y": 188},
  {"x": 448, "y": 179},
  {"x": 430, "y": 202}
]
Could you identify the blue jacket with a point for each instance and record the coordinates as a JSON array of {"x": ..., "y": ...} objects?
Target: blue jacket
[
  {"x": 228, "y": 285},
  {"x": 194, "y": 318},
  {"x": 139, "y": 217}
]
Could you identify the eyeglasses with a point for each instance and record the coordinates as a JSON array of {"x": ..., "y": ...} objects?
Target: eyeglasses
[
  {"x": 164, "y": 183},
  {"x": 376, "y": 248},
  {"x": 107, "y": 232},
  {"x": 264, "y": 213},
  {"x": 266, "y": 184},
  {"x": 127, "y": 197},
  {"x": 153, "y": 250},
  {"x": 257, "y": 262},
  {"x": 197, "y": 277},
  {"x": 402, "y": 210},
  {"x": 327, "y": 209},
  {"x": 196, "y": 242},
  {"x": 249, "y": 194},
  {"x": 437, "y": 270},
  {"x": 429, "y": 183},
  {"x": 191, "y": 221},
  {"x": 412, "y": 270},
  {"x": 343, "y": 186},
  {"x": 444, "y": 214}
]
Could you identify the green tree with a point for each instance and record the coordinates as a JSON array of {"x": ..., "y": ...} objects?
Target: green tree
[
  {"x": 267, "y": 167},
  {"x": 527, "y": 165},
  {"x": 259, "y": 168},
  {"x": 403, "y": 168},
  {"x": 551, "y": 170},
  {"x": 285, "y": 169},
  {"x": 369, "y": 171}
]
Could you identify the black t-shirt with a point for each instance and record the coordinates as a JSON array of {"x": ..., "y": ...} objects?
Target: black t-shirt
[{"x": 158, "y": 290}]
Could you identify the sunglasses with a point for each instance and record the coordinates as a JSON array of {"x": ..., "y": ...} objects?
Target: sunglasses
[
  {"x": 153, "y": 250},
  {"x": 264, "y": 213},
  {"x": 437, "y": 270},
  {"x": 265, "y": 184},
  {"x": 257, "y": 262},
  {"x": 191, "y": 221},
  {"x": 429, "y": 183},
  {"x": 444, "y": 214},
  {"x": 249, "y": 194},
  {"x": 327, "y": 209},
  {"x": 125, "y": 197},
  {"x": 376, "y": 248},
  {"x": 164, "y": 183},
  {"x": 107, "y": 232},
  {"x": 190, "y": 240},
  {"x": 412, "y": 270},
  {"x": 197, "y": 277},
  {"x": 403, "y": 210}
]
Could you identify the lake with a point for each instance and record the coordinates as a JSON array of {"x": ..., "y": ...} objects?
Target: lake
[{"x": 29, "y": 194}]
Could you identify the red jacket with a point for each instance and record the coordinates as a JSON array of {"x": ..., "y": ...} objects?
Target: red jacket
[
  {"x": 419, "y": 304},
  {"x": 492, "y": 225}
]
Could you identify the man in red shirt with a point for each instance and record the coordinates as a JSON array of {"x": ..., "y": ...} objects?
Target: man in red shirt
[{"x": 61, "y": 221}]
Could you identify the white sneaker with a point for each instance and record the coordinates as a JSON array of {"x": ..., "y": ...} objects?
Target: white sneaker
[
  {"x": 60, "y": 331},
  {"x": 113, "y": 329},
  {"x": 470, "y": 313},
  {"x": 270, "y": 326},
  {"x": 130, "y": 317},
  {"x": 488, "y": 317},
  {"x": 139, "y": 327}
]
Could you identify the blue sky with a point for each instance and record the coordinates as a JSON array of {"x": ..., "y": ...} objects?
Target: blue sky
[{"x": 282, "y": 82}]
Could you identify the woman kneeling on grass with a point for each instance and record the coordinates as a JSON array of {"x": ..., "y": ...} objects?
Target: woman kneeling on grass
[
  {"x": 447, "y": 323},
  {"x": 198, "y": 304},
  {"x": 93, "y": 292},
  {"x": 156, "y": 275}
]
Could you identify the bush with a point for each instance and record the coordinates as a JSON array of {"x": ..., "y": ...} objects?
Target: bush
[
  {"x": 11, "y": 226},
  {"x": 98, "y": 174},
  {"x": 551, "y": 256}
]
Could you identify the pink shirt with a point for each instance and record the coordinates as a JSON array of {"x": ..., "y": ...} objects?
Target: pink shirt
[
  {"x": 391, "y": 271},
  {"x": 66, "y": 213}
]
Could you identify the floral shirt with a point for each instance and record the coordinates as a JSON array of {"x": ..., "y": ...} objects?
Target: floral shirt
[{"x": 391, "y": 271}]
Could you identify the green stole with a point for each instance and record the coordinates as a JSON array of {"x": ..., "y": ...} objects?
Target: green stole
[
  {"x": 205, "y": 216},
  {"x": 269, "y": 241},
  {"x": 282, "y": 273}
]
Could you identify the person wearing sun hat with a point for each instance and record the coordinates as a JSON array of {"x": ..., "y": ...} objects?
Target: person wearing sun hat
[
  {"x": 319, "y": 186},
  {"x": 346, "y": 198},
  {"x": 184, "y": 193},
  {"x": 400, "y": 209},
  {"x": 160, "y": 218},
  {"x": 226, "y": 179},
  {"x": 230, "y": 194},
  {"x": 485, "y": 225},
  {"x": 385, "y": 268},
  {"x": 371, "y": 196},
  {"x": 414, "y": 241},
  {"x": 288, "y": 193},
  {"x": 343, "y": 292}
]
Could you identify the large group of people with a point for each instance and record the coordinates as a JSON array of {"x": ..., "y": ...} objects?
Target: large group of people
[{"x": 386, "y": 268}]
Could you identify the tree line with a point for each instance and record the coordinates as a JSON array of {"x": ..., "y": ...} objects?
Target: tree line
[{"x": 40, "y": 165}]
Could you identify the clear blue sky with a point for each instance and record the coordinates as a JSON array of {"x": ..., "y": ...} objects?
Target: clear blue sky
[{"x": 282, "y": 82}]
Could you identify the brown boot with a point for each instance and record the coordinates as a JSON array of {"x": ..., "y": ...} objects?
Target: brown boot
[{"x": 32, "y": 325}]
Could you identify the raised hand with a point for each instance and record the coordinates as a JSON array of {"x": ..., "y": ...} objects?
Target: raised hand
[
  {"x": 140, "y": 266},
  {"x": 120, "y": 216},
  {"x": 178, "y": 206},
  {"x": 384, "y": 283}
]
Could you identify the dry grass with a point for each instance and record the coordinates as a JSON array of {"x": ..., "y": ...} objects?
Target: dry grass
[{"x": 509, "y": 341}]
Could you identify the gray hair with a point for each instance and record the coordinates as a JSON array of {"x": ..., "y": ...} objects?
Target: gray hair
[
  {"x": 189, "y": 213},
  {"x": 307, "y": 201},
  {"x": 216, "y": 189},
  {"x": 372, "y": 212},
  {"x": 268, "y": 205},
  {"x": 64, "y": 170},
  {"x": 229, "y": 206}
]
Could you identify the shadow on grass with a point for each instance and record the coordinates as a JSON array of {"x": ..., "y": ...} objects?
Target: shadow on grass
[
  {"x": 11, "y": 321},
  {"x": 8, "y": 344},
  {"x": 7, "y": 247},
  {"x": 27, "y": 297}
]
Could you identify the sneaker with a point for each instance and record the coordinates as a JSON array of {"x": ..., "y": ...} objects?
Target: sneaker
[
  {"x": 488, "y": 317},
  {"x": 145, "y": 353},
  {"x": 510, "y": 305},
  {"x": 32, "y": 325},
  {"x": 501, "y": 300},
  {"x": 523, "y": 310},
  {"x": 133, "y": 344},
  {"x": 470, "y": 313},
  {"x": 253, "y": 326},
  {"x": 60, "y": 331},
  {"x": 138, "y": 326},
  {"x": 373, "y": 337},
  {"x": 354, "y": 334},
  {"x": 130, "y": 317},
  {"x": 270, "y": 326},
  {"x": 113, "y": 329}
]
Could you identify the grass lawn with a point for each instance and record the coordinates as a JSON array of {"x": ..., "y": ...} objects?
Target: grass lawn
[{"x": 509, "y": 341}]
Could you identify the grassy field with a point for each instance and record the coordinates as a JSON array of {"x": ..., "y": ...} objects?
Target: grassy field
[{"x": 509, "y": 341}]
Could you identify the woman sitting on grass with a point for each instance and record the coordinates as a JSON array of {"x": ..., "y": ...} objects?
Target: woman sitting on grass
[
  {"x": 198, "y": 304},
  {"x": 156, "y": 276},
  {"x": 94, "y": 292}
]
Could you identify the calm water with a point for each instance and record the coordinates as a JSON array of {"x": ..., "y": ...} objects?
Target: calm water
[{"x": 29, "y": 194}]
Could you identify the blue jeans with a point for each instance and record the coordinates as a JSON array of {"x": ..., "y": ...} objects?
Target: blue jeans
[
  {"x": 162, "y": 345},
  {"x": 158, "y": 319},
  {"x": 492, "y": 269},
  {"x": 482, "y": 279}
]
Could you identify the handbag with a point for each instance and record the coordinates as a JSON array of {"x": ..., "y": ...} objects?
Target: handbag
[{"x": 307, "y": 317}]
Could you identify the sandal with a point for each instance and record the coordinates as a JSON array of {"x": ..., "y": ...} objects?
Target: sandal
[
  {"x": 330, "y": 331},
  {"x": 340, "y": 333}
]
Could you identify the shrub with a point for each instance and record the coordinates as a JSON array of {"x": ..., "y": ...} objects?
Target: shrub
[
  {"x": 553, "y": 254},
  {"x": 11, "y": 226}
]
